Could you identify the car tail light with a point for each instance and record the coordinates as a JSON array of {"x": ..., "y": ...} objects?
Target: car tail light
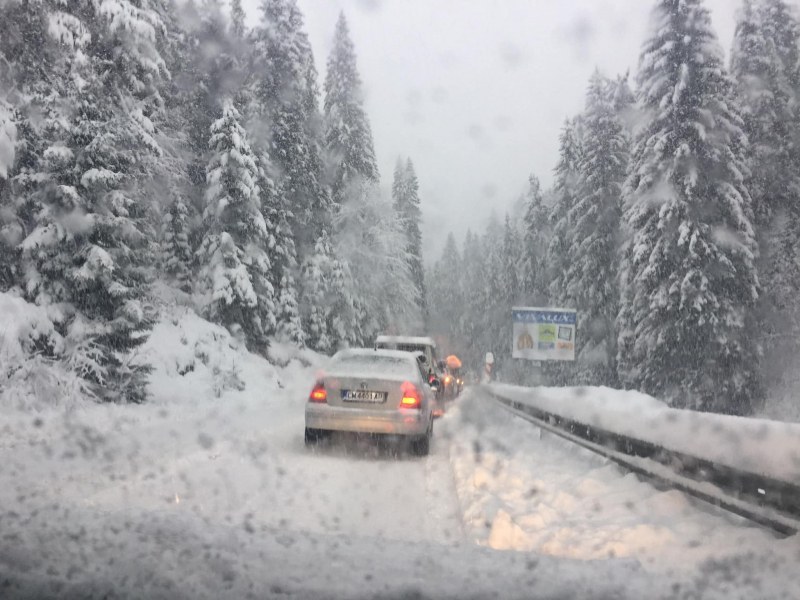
[
  {"x": 319, "y": 393},
  {"x": 411, "y": 396}
]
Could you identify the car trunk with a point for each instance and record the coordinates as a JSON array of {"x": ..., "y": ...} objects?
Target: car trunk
[{"x": 375, "y": 393}]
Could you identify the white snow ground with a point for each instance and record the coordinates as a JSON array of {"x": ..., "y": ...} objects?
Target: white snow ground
[{"x": 208, "y": 492}]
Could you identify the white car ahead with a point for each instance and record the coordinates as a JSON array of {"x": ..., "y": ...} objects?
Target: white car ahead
[{"x": 372, "y": 391}]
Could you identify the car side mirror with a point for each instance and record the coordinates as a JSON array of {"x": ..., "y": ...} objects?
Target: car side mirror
[{"x": 435, "y": 385}]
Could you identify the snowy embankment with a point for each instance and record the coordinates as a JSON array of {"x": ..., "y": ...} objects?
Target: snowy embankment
[
  {"x": 760, "y": 446},
  {"x": 525, "y": 489}
]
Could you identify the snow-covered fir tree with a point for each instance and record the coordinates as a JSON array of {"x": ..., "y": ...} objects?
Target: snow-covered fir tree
[
  {"x": 508, "y": 293},
  {"x": 367, "y": 232},
  {"x": 768, "y": 100},
  {"x": 233, "y": 256},
  {"x": 446, "y": 295},
  {"x": 533, "y": 277},
  {"x": 349, "y": 152},
  {"x": 491, "y": 291},
  {"x": 590, "y": 279},
  {"x": 90, "y": 245},
  {"x": 177, "y": 255},
  {"x": 39, "y": 44},
  {"x": 473, "y": 289},
  {"x": 405, "y": 197},
  {"x": 371, "y": 241},
  {"x": 282, "y": 253},
  {"x": 330, "y": 310},
  {"x": 764, "y": 64},
  {"x": 286, "y": 121},
  {"x": 567, "y": 169},
  {"x": 211, "y": 75},
  {"x": 689, "y": 275},
  {"x": 237, "y": 20}
]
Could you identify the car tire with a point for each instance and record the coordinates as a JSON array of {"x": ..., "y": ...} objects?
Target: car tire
[
  {"x": 314, "y": 436},
  {"x": 421, "y": 446}
]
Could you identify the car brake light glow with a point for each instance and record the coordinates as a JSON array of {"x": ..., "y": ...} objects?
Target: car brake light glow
[
  {"x": 319, "y": 393},
  {"x": 411, "y": 396}
]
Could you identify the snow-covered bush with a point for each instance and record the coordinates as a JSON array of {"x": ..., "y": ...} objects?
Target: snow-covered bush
[
  {"x": 193, "y": 359},
  {"x": 32, "y": 372}
]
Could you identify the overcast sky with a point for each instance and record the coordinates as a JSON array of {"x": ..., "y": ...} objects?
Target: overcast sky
[{"x": 475, "y": 91}]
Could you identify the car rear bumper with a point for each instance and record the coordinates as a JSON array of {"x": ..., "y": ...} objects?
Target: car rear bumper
[{"x": 365, "y": 420}]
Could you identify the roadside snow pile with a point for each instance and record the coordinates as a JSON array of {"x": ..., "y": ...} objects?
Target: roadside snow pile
[
  {"x": 32, "y": 372},
  {"x": 770, "y": 448},
  {"x": 524, "y": 489},
  {"x": 194, "y": 359}
]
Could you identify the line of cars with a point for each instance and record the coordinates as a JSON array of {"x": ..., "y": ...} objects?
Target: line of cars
[{"x": 396, "y": 388}]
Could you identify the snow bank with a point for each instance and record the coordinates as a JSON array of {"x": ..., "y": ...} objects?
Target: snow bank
[
  {"x": 195, "y": 360},
  {"x": 760, "y": 446},
  {"x": 530, "y": 491}
]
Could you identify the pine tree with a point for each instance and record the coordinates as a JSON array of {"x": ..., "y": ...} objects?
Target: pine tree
[
  {"x": 557, "y": 261},
  {"x": 90, "y": 246},
  {"x": 10, "y": 226},
  {"x": 330, "y": 315},
  {"x": 764, "y": 63},
  {"x": 371, "y": 241},
  {"x": 622, "y": 97},
  {"x": 446, "y": 295},
  {"x": 764, "y": 84},
  {"x": 405, "y": 195},
  {"x": 177, "y": 255},
  {"x": 237, "y": 19},
  {"x": 488, "y": 296},
  {"x": 350, "y": 155},
  {"x": 473, "y": 291},
  {"x": 533, "y": 278},
  {"x": 211, "y": 76},
  {"x": 689, "y": 278},
  {"x": 282, "y": 252},
  {"x": 507, "y": 294},
  {"x": 591, "y": 274},
  {"x": 233, "y": 256},
  {"x": 39, "y": 43},
  {"x": 285, "y": 119}
]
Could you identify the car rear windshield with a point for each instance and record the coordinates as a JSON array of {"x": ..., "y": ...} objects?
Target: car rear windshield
[{"x": 377, "y": 365}]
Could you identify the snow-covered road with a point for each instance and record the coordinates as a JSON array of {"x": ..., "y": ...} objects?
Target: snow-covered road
[
  {"x": 251, "y": 466},
  {"x": 203, "y": 497}
]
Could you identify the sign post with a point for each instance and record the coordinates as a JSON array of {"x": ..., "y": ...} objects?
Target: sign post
[
  {"x": 487, "y": 368},
  {"x": 544, "y": 333}
]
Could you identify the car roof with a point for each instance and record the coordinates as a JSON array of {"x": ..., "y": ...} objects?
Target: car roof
[{"x": 405, "y": 339}]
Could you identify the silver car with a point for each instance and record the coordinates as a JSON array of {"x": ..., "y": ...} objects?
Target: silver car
[{"x": 372, "y": 391}]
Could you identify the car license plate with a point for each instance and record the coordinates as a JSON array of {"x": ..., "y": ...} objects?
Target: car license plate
[{"x": 363, "y": 396}]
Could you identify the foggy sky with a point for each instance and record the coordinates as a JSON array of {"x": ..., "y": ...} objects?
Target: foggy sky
[{"x": 475, "y": 91}]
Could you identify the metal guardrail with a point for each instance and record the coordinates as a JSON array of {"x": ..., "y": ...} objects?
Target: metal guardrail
[{"x": 764, "y": 500}]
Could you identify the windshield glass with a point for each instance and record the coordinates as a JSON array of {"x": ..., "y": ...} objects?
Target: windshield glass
[
  {"x": 371, "y": 365},
  {"x": 400, "y": 299}
]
